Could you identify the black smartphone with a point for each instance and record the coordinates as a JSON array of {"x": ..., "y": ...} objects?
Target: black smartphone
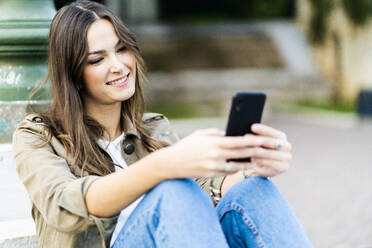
[{"x": 246, "y": 109}]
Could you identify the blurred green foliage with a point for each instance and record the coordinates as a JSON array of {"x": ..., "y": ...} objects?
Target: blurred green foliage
[
  {"x": 185, "y": 110},
  {"x": 330, "y": 105},
  {"x": 358, "y": 12},
  {"x": 268, "y": 8},
  {"x": 318, "y": 22}
]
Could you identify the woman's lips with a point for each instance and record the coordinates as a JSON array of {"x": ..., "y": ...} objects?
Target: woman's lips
[{"x": 120, "y": 82}]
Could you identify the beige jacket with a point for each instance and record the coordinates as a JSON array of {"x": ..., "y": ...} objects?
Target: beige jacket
[{"x": 57, "y": 194}]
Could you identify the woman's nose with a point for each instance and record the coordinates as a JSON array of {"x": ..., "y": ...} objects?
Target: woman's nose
[{"x": 116, "y": 65}]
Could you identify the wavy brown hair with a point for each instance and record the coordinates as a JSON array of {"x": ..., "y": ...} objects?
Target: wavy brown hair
[{"x": 68, "y": 52}]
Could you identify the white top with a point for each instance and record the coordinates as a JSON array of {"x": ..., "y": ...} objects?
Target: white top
[{"x": 113, "y": 148}]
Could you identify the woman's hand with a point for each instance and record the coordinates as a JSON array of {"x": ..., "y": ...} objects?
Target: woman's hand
[
  {"x": 273, "y": 156},
  {"x": 204, "y": 154}
]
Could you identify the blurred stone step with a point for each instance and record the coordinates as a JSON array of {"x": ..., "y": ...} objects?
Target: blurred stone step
[
  {"x": 18, "y": 233},
  {"x": 247, "y": 44},
  {"x": 197, "y": 85}
]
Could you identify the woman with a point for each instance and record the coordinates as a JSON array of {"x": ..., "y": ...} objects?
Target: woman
[{"x": 99, "y": 172}]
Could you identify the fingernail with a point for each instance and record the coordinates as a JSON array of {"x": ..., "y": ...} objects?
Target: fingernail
[{"x": 255, "y": 127}]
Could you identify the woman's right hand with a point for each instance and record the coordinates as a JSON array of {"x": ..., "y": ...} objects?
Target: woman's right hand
[{"x": 204, "y": 153}]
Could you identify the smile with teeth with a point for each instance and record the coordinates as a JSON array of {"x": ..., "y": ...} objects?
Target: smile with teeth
[{"x": 120, "y": 81}]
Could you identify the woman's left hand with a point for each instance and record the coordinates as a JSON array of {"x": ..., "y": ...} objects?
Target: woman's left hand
[{"x": 273, "y": 157}]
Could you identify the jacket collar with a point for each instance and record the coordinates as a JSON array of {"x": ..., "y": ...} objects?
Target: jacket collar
[{"x": 129, "y": 128}]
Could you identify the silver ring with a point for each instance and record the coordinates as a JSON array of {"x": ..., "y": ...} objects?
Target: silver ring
[
  {"x": 278, "y": 145},
  {"x": 228, "y": 167}
]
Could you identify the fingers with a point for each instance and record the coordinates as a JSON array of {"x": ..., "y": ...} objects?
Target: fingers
[
  {"x": 210, "y": 131},
  {"x": 236, "y": 142},
  {"x": 279, "y": 166},
  {"x": 250, "y": 140},
  {"x": 256, "y": 152},
  {"x": 267, "y": 137},
  {"x": 264, "y": 167},
  {"x": 261, "y": 129},
  {"x": 226, "y": 168},
  {"x": 237, "y": 166},
  {"x": 268, "y": 149},
  {"x": 269, "y": 168},
  {"x": 273, "y": 143},
  {"x": 267, "y": 154}
]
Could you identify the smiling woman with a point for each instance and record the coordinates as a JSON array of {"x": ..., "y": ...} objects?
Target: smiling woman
[
  {"x": 110, "y": 74},
  {"x": 100, "y": 172}
]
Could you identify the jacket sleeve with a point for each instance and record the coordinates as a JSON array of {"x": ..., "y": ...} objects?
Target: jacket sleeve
[
  {"x": 56, "y": 193},
  {"x": 162, "y": 130}
]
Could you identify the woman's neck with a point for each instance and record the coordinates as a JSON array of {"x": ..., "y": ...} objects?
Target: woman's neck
[{"x": 109, "y": 117}]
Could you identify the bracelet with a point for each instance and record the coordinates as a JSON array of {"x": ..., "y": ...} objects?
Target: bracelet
[
  {"x": 215, "y": 189},
  {"x": 252, "y": 173},
  {"x": 245, "y": 175}
]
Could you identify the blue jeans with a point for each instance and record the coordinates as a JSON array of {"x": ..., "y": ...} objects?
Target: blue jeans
[{"x": 178, "y": 213}]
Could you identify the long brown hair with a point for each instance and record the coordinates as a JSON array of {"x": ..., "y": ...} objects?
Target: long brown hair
[{"x": 67, "y": 56}]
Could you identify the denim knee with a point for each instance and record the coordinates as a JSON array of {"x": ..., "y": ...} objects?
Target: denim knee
[
  {"x": 251, "y": 188},
  {"x": 182, "y": 190},
  {"x": 176, "y": 184},
  {"x": 265, "y": 215}
]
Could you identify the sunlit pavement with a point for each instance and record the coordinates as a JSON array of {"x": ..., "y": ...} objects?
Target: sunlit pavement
[{"x": 329, "y": 183}]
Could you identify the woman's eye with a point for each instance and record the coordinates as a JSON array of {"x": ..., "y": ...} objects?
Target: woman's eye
[
  {"x": 95, "y": 61},
  {"x": 122, "y": 49}
]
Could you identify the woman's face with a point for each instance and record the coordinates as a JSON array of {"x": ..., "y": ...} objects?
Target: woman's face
[{"x": 110, "y": 71}]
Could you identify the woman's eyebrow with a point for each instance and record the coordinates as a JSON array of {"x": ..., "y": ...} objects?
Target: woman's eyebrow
[{"x": 103, "y": 51}]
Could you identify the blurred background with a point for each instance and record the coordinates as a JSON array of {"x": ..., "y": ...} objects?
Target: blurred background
[
  {"x": 307, "y": 53},
  {"x": 311, "y": 57}
]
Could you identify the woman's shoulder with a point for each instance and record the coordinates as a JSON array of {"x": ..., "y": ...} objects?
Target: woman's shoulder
[
  {"x": 30, "y": 133},
  {"x": 153, "y": 117},
  {"x": 33, "y": 122},
  {"x": 159, "y": 127},
  {"x": 33, "y": 133},
  {"x": 31, "y": 129},
  {"x": 155, "y": 122}
]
